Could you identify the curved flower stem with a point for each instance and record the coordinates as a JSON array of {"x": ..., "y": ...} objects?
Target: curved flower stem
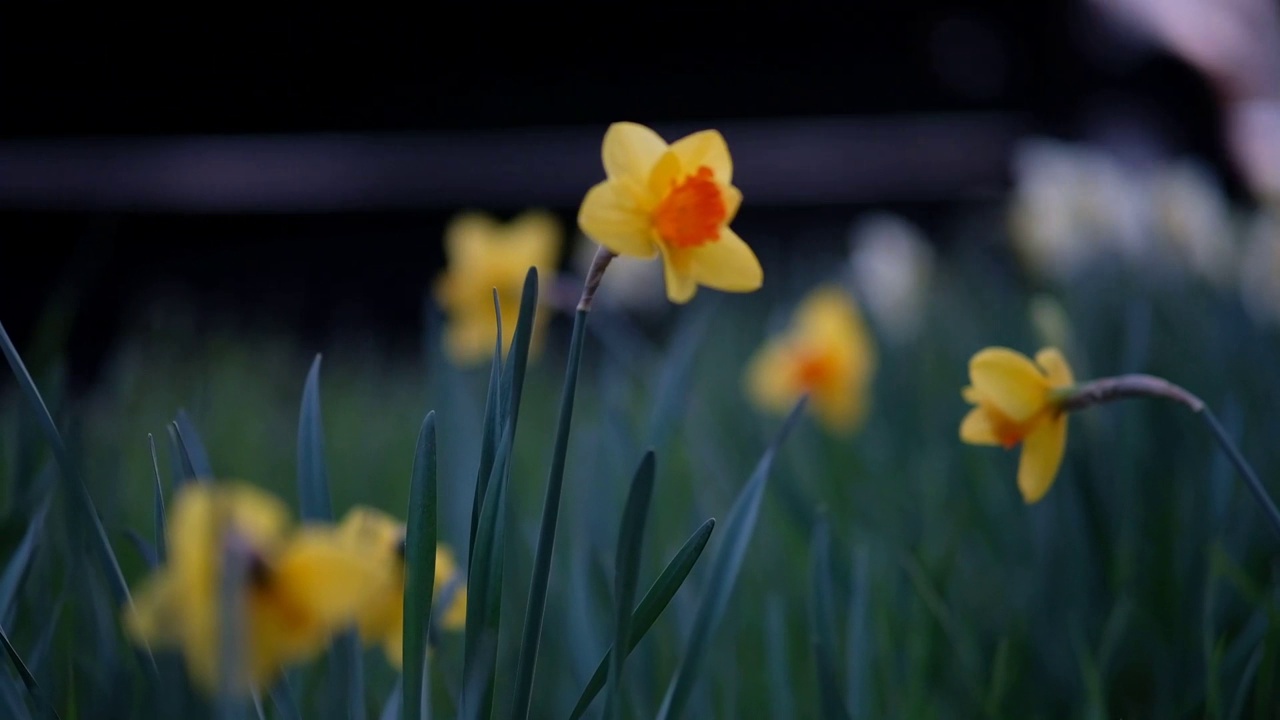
[
  {"x": 1104, "y": 390},
  {"x": 598, "y": 265}
]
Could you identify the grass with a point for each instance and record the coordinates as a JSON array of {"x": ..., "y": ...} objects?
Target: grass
[{"x": 896, "y": 573}]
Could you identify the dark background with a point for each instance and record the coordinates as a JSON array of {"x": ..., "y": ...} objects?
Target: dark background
[{"x": 78, "y": 79}]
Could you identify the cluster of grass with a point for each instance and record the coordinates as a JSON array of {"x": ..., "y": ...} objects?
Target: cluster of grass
[{"x": 896, "y": 573}]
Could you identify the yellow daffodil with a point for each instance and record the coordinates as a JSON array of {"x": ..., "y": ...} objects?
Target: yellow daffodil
[
  {"x": 301, "y": 586},
  {"x": 676, "y": 200},
  {"x": 380, "y": 538},
  {"x": 827, "y": 353},
  {"x": 481, "y": 255},
  {"x": 1019, "y": 401}
]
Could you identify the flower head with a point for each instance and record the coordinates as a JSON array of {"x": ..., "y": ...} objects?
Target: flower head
[
  {"x": 1019, "y": 401},
  {"x": 826, "y": 353},
  {"x": 676, "y": 200},
  {"x": 483, "y": 255},
  {"x": 301, "y": 586},
  {"x": 380, "y": 538}
]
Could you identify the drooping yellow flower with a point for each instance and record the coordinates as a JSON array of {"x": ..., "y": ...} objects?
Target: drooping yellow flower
[
  {"x": 827, "y": 353},
  {"x": 677, "y": 200},
  {"x": 1019, "y": 401},
  {"x": 481, "y": 255},
  {"x": 380, "y": 538},
  {"x": 301, "y": 586}
]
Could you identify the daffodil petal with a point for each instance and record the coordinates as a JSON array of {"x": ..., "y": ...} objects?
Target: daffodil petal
[
  {"x": 732, "y": 198},
  {"x": 976, "y": 428},
  {"x": 1042, "y": 452},
  {"x": 630, "y": 151},
  {"x": 329, "y": 581},
  {"x": 970, "y": 394},
  {"x": 727, "y": 264},
  {"x": 677, "y": 269},
  {"x": 610, "y": 216},
  {"x": 768, "y": 377},
  {"x": 466, "y": 236},
  {"x": 1009, "y": 381},
  {"x": 1055, "y": 367},
  {"x": 705, "y": 149}
]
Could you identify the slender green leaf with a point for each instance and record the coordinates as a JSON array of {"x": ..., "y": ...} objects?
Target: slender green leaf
[
  {"x": 15, "y": 570},
  {"x": 70, "y": 472},
  {"x": 627, "y": 569},
  {"x": 651, "y": 606},
  {"x": 724, "y": 574},
  {"x": 484, "y": 592},
  {"x": 672, "y": 392},
  {"x": 346, "y": 661},
  {"x": 518, "y": 356},
  {"x": 179, "y": 463},
  {"x": 197, "y": 457},
  {"x": 822, "y": 624},
  {"x": 313, "y": 479},
  {"x": 283, "y": 700},
  {"x": 158, "y": 510},
  {"x": 391, "y": 706},
  {"x": 535, "y": 609},
  {"x": 420, "y": 568},
  {"x": 145, "y": 549},
  {"x": 492, "y": 429},
  {"x": 27, "y": 678}
]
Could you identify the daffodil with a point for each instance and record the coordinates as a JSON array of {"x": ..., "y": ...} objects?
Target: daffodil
[
  {"x": 380, "y": 538},
  {"x": 676, "y": 200},
  {"x": 483, "y": 255},
  {"x": 300, "y": 587},
  {"x": 826, "y": 353},
  {"x": 1020, "y": 401}
]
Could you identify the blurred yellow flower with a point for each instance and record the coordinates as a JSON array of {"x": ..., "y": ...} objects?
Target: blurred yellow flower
[
  {"x": 380, "y": 539},
  {"x": 1018, "y": 401},
  {"x": 301, "y": 586},
  {"x": 482, "y": 254},
  {"x": 676, "y": 200},
  {"x": 827, "y": 353}
]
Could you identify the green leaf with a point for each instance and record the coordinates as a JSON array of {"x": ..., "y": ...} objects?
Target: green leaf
[
  {"x": 346, "y": 661},
  {"x": 484, "y": 592},
  {"x": 193, "y": 447},
  {"x": 822, "y": 624},
  {"x": 724, "y": 574},
  {"x": 16, "y": 568},
  {"x": 70, "y": 472},
  {"x": 518, "y": 356},
  {"x": 313, "y": 479},
  {"x": 179, "y": 462},
  {"x": 626, "y": 569},
  {"x": 420, "y": 568},
  {"x": 161, "y": 547},
  {"x": 535, "y": 609},
  {"x": 676, "y": 376},
  {"x": 492, "y": 429},
  {"x": 651, "y": 606},
  {"x": 27, "y": 678}
]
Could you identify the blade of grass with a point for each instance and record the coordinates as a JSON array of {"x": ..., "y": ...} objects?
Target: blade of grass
[
  {"x": 27, "y": 678},
  {"x": 346, "y": 663},
  {"x": 70, "y": 472},
  {"x": 180, "y": 463},
  {"x": 535, "y": 609},
  {"x": 626, "y": 569},
  {"x": 158, "y": 510},
  {"x": 484, "y": 593},
  {"x": 491, "y": 431},
  {"x": 650, "y": 607},
  {"x": 724, "y": 574},
  {"x": 419, "y": 568},
  {"x": 822, "y": 624},
  {"x": 193, "y": 446}
]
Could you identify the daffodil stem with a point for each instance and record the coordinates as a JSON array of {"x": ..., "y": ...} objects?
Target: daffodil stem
[
  {"x": 598, "y": 265},
  {"x": 1104, "y": 390}
]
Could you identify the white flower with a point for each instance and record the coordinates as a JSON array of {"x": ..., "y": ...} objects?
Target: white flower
[
  {"x": 892, "y": 265},
  {"x": 1194, "y": 220},
  {"x": 1260, "y": 268}
]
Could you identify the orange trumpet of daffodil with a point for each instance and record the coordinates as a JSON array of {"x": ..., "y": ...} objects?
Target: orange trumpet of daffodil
[
  {"x": 1020, "y": 401},
  {"x": 826, "y": 353},
  {"x": 676, "y": 200}
]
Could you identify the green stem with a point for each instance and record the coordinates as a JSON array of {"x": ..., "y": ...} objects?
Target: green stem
[
  {"x": 1104, "y": 390},
  {"x": 1246, "y": 471}
]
